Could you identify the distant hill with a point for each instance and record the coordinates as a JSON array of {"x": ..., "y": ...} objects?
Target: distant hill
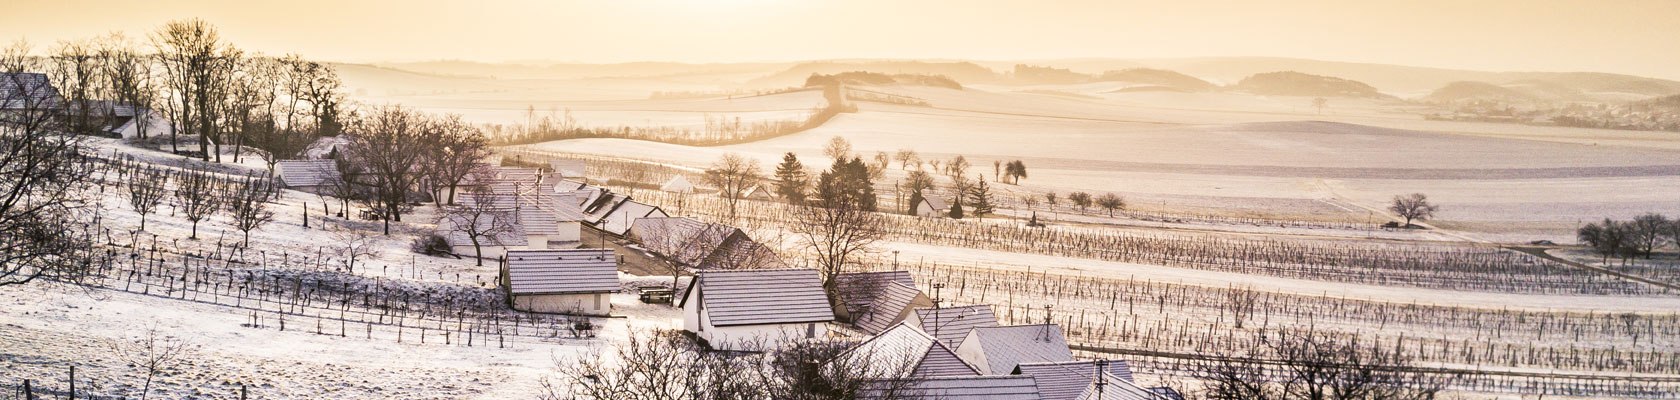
[
  {"x": 876, "y": 78},
  {"x": 1158, "y": 77},
  {"x": 796, "y": 75},
  {"x": 1472, "y": 90},
  {"x": 578, "y": 71},
  {"x": 1291, "y": 83}
]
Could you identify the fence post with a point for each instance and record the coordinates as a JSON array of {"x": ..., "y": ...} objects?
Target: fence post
[
  {"x": 241, "y": 391},
  {"x": 28, "y": 394},
  {"x": 72, "y": 382}
]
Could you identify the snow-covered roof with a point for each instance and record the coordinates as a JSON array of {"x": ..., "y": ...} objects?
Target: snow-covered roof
[
  {"x": 562, "y": 271},
  {"x": 892, "y": 301},
  {"x": 858, "y": 290},
  {"x": 952, "y": 324},
  {"x": 27, "y": 90},
  {"x": 677, "y": 184},
  {"x": 761, "y": 297},
  {"x": 1001, "y": 348},
  {"x": 619, "y": 220},
  {"x": 758, "y": 192},
  {"x": 514, "y": 236},
  {"x": 567, "y": 168},
  {"x": 304, "y": 173},
  {"x": 565, "y": 206},
  {"x": 937, "y": 204},
  {"x": 1074, "y": 380},
  {"x": 998, "y": 387},
  {"x": 904, "y": 351},
  {"x": 659, "y": 234}
]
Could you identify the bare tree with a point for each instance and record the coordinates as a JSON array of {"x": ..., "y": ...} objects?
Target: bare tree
[
  {"x": 1081, "y": 200},
  {"x": 463, "y": 148},
  {"x": 197, "y": 67},
  {"x": 1015, "y": 170},
  {"x": 956, "y": 168},
  {"x": 1241, "y": 302},
  {"x": 733, "y": 175},
  {"x": 76, "y": 73},
  {"x": 389, "y": 145},
  {"x": 481, "y": 219},
  {"x": 1110, "y": 202},
  {"x": 1609, "y": 238},
  {"x": 1315, "y": 365},
  {"x": 146, "y": 189},
  {"x": 840, "y": 229},
  {"x": 907, "y": 158},
  {"x": 42, "y": 179},
  {"x": 1647, "y": 232},
  {"x": 197, "y": 196},
  {"x": 353, "y": 246},
  {"x": 838, "y": 148},
  {"x": 128, "y": 75},
  {"x": 1415, "y": 206},
  {"x": 248, "y": 205},
  {"x": 1050, "y": 199},
  {"x": 152, "y": 354}
]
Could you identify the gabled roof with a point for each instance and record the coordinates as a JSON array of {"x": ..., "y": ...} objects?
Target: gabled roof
[
  {"x": 904, "y": 351},
  {"x": 618, "y": 221},
  {"x": 892, "y": 301},
  {"x": 565, "y": 206},
  {"x": 567, "y": 168},
  {"x": 997, "y": 387},
  {"x": 677, "y": 184},
  {"x": 562, "y": 271},
  {"x": 859, "y": 290},
  {"x": 952, "y": 324},
  {"x": 507, "y": 237},
  {"x": 758, "y": 192},
  {"x": 296, "y": 173},
  {"x": 1073, "y": 380},
  {"x": 760, "y": 297},
  {"x": 937, "y": 204},
  {"x": 1004, "y": 347},
  {"x": 27, "y": 90},
  {"x": 661, "y": 233}
]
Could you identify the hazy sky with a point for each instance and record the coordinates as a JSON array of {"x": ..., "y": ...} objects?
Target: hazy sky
[{"x": 1626, "y": 36}]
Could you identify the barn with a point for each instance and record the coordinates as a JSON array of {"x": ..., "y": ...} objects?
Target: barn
[
  {"x": 574, "y": 281},
  {"x": 677, "y": 184},
  {"x": 312, "y": 176},
  {"x": 875, "y": 301},
  {"x": 932, "y": 207},
  {"x": 754, "y": 310}
]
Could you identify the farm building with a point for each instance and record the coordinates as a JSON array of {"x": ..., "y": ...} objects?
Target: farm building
[
  {"x": 999, "y": 387},
  {"x": 758, "y": 192},
  {"x": 124, "y": 121},
  {"x": 493, "y": 246},
  {"x": 743, "y": 310},
  {"x": 567, "y": 168},
  {"x": 997, "y": 350},
  {"x": 904, "y": 351},
  {"x": 677, "y": 184},
  {"x": 576, "y": 281},
  {"x": 695, "y": 244},
  {"x": 312, "y": 176},
  {"x": 932, "y": 207},
  {"x": 27, "y": 91},
  {"x": 875, "y": 301},
  {"x": 952, "y": 324},
  {"x": 1077, "y": 380}
]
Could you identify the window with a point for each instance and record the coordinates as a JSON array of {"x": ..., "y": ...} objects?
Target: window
[
  {"x": 811, "y": 331},
  {"x": 598, "y": 301}
]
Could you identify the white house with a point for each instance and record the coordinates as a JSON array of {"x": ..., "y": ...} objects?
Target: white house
[
  {"x": 932, "y": 207},
  {"x": 575, "y": 281},
  {"x": 313, "y": 176},
  {"x": 677, "y": 184},
  {"x": 997, "y": 350},
  {"x": 758, "y": 192},
  {"x": 997, "y": 387},
  {"x": 900, "y": 352},
  {"x": 750, "y": 310},
  {"x": 619, "y": 220}
]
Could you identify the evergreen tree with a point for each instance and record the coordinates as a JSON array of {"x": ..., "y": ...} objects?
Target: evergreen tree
[
  {"x": 956, "y": 209},
  {"x": 791, "y": 179},
  {"x": 846, "y": 183},
  {"x": 980, "y": 198}
]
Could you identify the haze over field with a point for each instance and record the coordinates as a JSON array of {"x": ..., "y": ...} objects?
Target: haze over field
[{"x": 592, "y": 199}]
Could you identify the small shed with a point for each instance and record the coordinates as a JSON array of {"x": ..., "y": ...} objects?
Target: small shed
[
  {"x": 998, "y": 350},
  {"x": 574, "y": 281},
  {"x": 618, "y": 221},
  {"x": 677, "y": 184},
  {"x": 758, "y": 192},
  {"x": 755, "y": 310},
  {"x": 695, "y": 244},
  {"x": 932, "y": 207},
  {"x": 313, "y": 176}
]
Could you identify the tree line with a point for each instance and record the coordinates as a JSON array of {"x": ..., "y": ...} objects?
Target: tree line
[
  {"x": 202, "y": 85},
  {"x": 1640, "y": 236}
]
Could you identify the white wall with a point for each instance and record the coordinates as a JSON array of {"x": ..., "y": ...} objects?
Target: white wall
[
  {"x": 584, "y": 303},
  {"x": 970, "y": 351},
  {"x": 743, "y": 337}
]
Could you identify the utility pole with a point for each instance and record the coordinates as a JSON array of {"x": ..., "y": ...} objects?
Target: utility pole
[{"x": 1102, "y": 370}]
